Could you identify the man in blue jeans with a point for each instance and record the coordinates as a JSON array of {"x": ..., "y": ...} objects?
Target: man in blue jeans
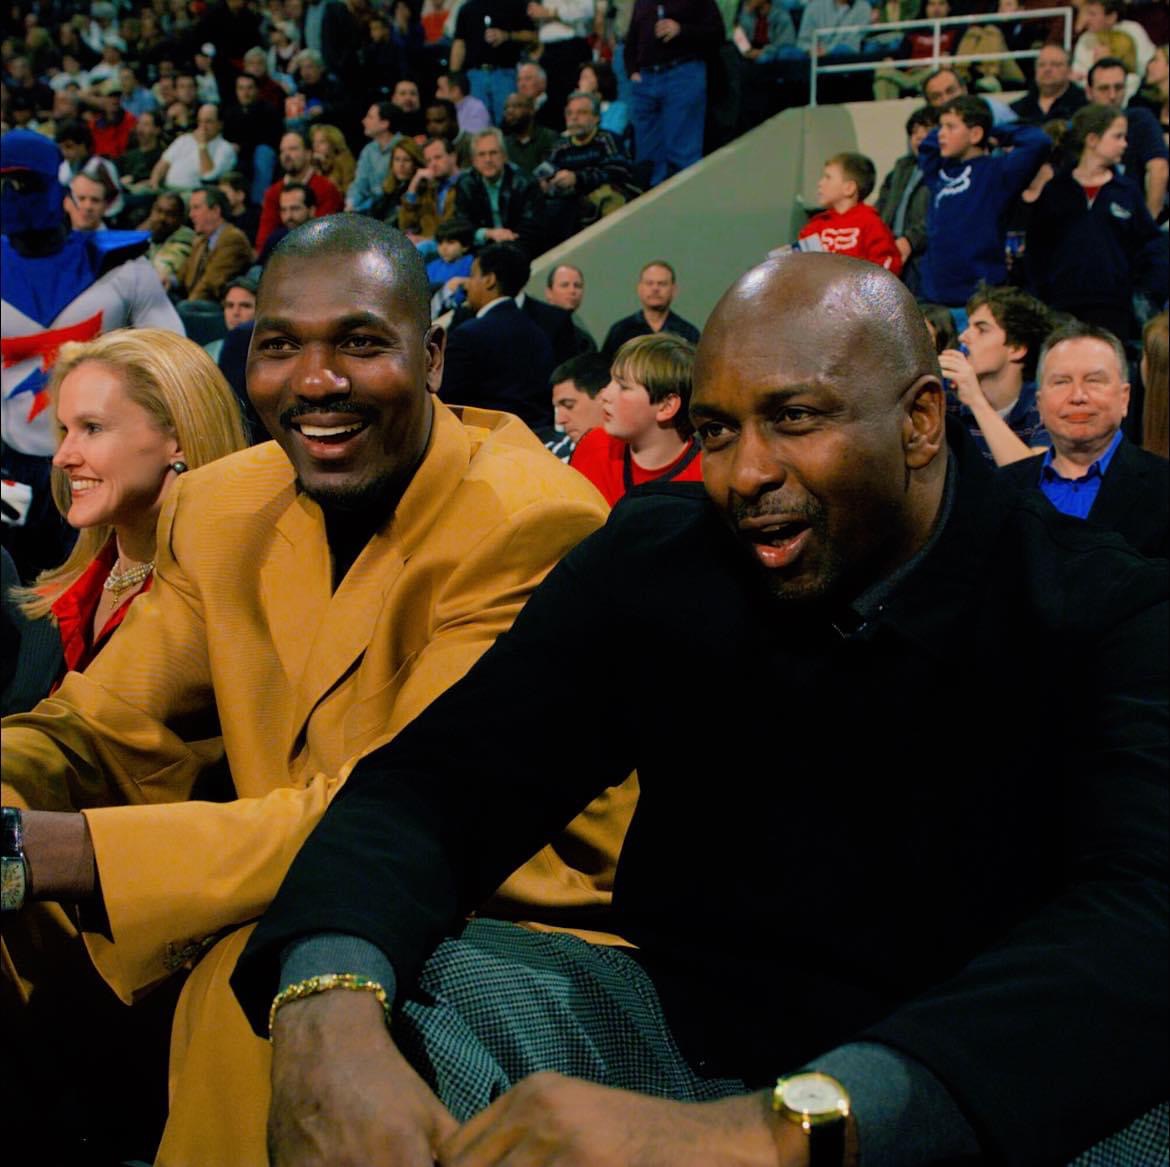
[
  {"x": 489, "y": 37},
  {"x": 665, "y": 51}
]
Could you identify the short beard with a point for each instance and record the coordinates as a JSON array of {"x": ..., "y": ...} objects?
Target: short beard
[{"x": 374, "y": 501}]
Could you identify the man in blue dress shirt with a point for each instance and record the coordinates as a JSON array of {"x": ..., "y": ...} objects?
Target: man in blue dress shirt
[{"x": 1092, "y": 470}]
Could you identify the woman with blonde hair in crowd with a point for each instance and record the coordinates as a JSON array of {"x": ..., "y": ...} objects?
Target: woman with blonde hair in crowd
[
  {"x": 135, "y": 409},
  {"x": 332, "y": 156},
  {"x": 1155, "y": 378}
]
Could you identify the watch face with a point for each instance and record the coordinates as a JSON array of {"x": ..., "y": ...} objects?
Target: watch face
[{"x": 814, "y": 1094}]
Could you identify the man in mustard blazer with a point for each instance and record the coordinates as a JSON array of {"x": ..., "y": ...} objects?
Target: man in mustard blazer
[
  {"x": 311, "y": 597},
  {"x": 220, "y": 252}
]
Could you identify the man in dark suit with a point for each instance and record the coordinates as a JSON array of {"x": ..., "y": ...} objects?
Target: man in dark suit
[
  {"x": 500, "y": 359},
  {"x": 556, "y": 323},
  {"x": 1093, "y": 471}
]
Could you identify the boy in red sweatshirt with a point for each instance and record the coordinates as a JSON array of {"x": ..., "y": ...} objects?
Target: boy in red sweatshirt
[
  {"x": 646, "y": 433},
  {"x": 848, "y": 224}
]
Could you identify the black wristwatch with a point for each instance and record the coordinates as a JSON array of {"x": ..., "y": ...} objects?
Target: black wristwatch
[
  {"x": 13, "y": 869},
  {"x": 819, "y": 1105}
]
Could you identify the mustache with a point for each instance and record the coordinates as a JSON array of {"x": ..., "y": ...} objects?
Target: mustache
[
  {"x": 340, "y": 406},
  {"x": 774, "y": 504}
]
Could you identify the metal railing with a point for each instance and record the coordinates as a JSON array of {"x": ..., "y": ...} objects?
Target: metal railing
[{"x": 937, "y": 58}]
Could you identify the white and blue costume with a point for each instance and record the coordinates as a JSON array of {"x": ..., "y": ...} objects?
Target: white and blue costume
[{"x": 59, "y": 285}]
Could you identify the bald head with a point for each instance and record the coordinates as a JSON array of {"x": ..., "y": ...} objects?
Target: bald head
[
  {"x": 829, "y": 302},
  {"x": 818, "y": 401},
  {"x": 324, "y": 240}
]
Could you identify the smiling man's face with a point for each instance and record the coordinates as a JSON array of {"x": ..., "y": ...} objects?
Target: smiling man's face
[{"x": 341, "y": 370}]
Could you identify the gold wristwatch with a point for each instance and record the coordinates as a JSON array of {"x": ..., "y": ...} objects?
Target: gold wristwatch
[{"x": 819, "y": 1105}]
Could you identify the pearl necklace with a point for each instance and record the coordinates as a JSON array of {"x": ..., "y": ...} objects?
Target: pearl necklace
[{"x": 119, "y": 582}]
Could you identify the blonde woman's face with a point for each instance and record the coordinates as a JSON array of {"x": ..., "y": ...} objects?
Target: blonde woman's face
[{"x": 111, "y": 449}]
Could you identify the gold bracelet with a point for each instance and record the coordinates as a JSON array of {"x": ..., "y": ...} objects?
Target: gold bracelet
[{"x": 322, "y": 984}]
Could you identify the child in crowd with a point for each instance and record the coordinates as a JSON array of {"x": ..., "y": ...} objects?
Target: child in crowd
[
  {"x": 1103, "y": 37},
  {"x": 1092, "y": 243},
  {"x": 847, "y": 224},
  {"x": 646, "y": 433},
  {"x": 971, "y": 191},
  {"x": 448, "y": 273}
]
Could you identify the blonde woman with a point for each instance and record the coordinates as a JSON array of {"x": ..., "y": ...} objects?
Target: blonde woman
[
  {"x": 135, "y": 409},
  {"x": 332, "y": 156}
]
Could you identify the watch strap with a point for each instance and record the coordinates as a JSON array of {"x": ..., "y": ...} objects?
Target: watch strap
[{"x": 826, "y": 1145}]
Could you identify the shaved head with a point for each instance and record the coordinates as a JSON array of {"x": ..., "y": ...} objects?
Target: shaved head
[
  {"x": 348, "y": 235},
  {"x": 831, "y": 296},
  {"x": 818, "y": 401}
]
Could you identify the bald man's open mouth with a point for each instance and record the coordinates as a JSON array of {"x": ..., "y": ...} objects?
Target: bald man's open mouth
[{"x": 776, "y": 540}]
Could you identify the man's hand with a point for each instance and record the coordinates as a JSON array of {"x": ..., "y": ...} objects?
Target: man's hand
[
  {"x": 495, "y": 36},
  {"x": 501, "y": 235},
  {"x": 667, "y": 29},
  {"x": 552, "y": 1121},
  {"x": 420, "y": 176},
  {"x": 904, "y": 248},
  {"x": 960, "y": 372},
  {"x": 342, "y": 1094},
  {"x": 564, "y": 180}
]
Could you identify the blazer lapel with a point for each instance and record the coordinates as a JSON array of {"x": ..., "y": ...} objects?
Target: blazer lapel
[{"x": 299, "y": 552}]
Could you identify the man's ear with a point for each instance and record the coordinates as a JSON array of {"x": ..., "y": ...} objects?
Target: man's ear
[
  {"x": 924, "y": 422},
  {"x": 1017, "y": 353},
  {"x": 666, "y": 409},
  {"x": 982, "y": 139},
  {"x": 435, "y": 345}
]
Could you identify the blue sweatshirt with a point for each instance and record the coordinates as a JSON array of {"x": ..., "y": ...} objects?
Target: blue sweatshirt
[{"x": 968, "y": 202}]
